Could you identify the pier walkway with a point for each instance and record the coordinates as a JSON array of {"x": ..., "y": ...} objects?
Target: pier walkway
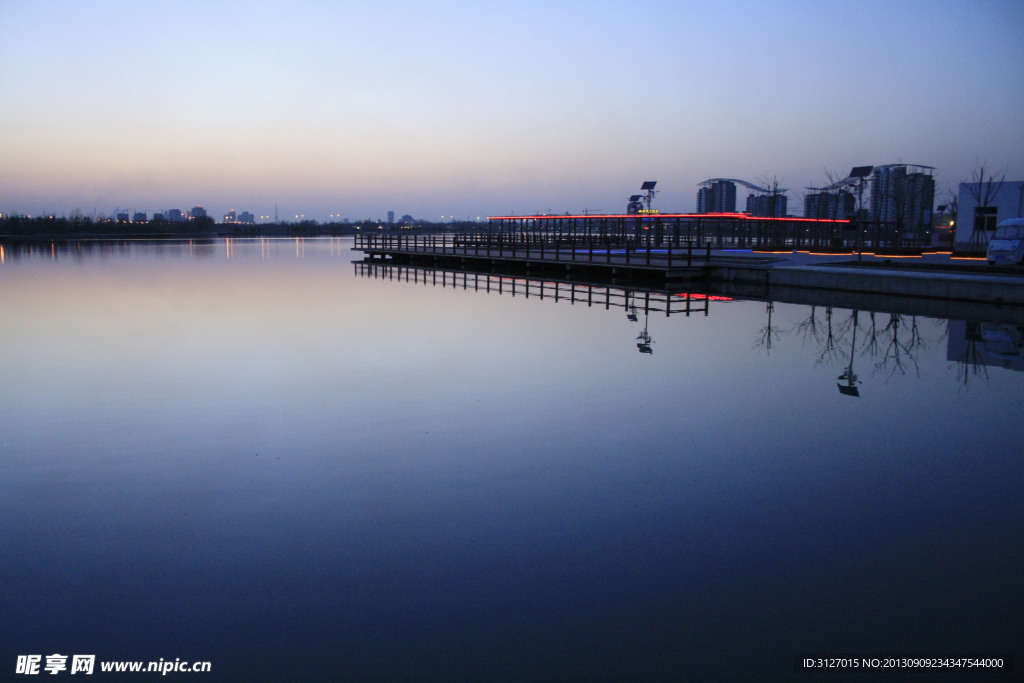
[
  {"x": 614, "y": 255},
  {"x": 619, "y": 258}
]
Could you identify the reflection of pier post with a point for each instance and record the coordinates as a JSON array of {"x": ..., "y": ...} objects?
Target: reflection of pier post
[{"x": 654, "y": 300}]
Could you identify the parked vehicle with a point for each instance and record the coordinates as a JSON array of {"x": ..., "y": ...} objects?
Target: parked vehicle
[{"x": 1007, "y": 243}]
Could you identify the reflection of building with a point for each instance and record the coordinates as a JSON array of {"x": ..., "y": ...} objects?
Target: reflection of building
[
  {"x": 990, "y": 344},
  {"x": 1005, "y": 200}
]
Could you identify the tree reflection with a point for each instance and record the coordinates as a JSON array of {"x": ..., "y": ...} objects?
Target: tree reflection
[
  {"x": 898, "y": 353},
  {"x": 829, "y": 349},
  {"x": 971, "y": 362},
  {"x": 808, "y": 329},
  {"x": 769, "y": 335},
  {"x": 871, "y": 344}
]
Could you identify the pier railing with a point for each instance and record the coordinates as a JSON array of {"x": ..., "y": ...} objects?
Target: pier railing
[
  {"x": 593, "y": 249},
  {"x": 726, "y": 231}
]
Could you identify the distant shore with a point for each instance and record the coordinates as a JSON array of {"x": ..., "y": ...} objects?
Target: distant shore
[{"x": 52, "y": 228}]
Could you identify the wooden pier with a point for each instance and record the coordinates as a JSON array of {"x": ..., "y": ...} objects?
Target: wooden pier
[{"x": 602, "y": 257}]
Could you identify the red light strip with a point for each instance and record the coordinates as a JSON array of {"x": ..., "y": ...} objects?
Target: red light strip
[
  {"x": 701, "y": 297},
  {"x": 736, "y": 216}
]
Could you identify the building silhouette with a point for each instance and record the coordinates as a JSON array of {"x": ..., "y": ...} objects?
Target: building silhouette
[
  {"x": 829, "y": 203},
  {"x": 768, "y": 204},
  {"x": 903, "y": 196},
  {"x": 717, "y": 195}
]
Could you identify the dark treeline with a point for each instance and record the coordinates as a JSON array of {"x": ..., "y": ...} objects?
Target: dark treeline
[{"x": 84, "y": 226}]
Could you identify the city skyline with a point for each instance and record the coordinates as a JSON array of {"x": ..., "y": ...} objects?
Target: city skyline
[{"x": 464, "y": 110}]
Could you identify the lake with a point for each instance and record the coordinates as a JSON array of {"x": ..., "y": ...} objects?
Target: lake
[{"x": 257, "y": 454}]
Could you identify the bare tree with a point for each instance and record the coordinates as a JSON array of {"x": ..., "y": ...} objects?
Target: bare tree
[{"x": 983, "y": 189}]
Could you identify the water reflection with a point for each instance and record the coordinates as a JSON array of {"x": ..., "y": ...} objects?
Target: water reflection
[
  {"x": 632, "y": 300},
  {"x": 251, "y": 454},
  {"x": 13, "y": 251},
  {"x": 890, "y": 340}
]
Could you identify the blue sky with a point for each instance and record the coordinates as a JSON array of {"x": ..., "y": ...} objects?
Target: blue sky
[{"x": 485, "y": 108}]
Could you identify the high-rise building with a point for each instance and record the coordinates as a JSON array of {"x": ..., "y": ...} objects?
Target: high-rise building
[
  {"x": 197, "y": 212},
  {"x": 833, "y": 205},
  {"x": 229, "y": 217},
  {"x": 717, "y": 196},
  {"x": 139, "y": 217},
  {"x": 391, "y": 217},
  {"x": 771, "y": 204},
  {"x": 903, "y": 195}
]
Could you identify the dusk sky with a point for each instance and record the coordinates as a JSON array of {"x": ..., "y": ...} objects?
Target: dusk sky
[{"x": 483, "y": 108}]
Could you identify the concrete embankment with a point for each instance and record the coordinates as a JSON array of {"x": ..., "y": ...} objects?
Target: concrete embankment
[{"x": 931, "y": 277}]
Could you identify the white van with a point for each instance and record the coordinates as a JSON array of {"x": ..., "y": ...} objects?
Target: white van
[{"x": 1007, "y": 243}]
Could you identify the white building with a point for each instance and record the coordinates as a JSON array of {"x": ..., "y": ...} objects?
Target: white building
[{"x": 1006, "y": 202}]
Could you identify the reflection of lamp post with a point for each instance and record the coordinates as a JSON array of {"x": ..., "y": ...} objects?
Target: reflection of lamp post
[
  {"x": 850, "y": 388},
  {"x": 644, "y": 345}
]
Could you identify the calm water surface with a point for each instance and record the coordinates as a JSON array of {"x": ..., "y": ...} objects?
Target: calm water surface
[{"x": 250, "y": 453}]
